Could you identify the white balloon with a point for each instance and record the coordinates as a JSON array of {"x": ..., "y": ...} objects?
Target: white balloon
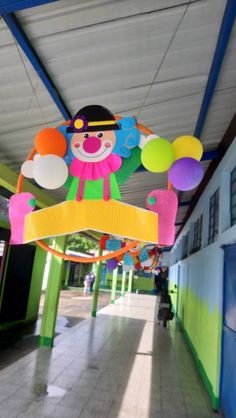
[
  {"x": 50, "y": 171},
  {"x": 36, "y": 156},
  {"x": 145, "y": 139},
  {"x": 27, "y": 169}
]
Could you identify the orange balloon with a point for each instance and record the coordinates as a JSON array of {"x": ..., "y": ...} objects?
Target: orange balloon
[{"x": 50, "y": 141}]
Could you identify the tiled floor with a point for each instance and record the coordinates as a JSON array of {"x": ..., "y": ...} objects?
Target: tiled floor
[{"x": 120, "y": 365}]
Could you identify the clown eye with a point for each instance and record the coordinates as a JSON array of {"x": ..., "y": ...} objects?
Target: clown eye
[
  {"x": 100, "y": 135},
  {"x": 86, "y": 135}
]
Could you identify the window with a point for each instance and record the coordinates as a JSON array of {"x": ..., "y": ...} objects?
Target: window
[
  {"x": 185, "y": 242},
  {"x": 197, "y": 235},
  {"x": 233, "y": 197},
  {"x": 213, "y": 217}
]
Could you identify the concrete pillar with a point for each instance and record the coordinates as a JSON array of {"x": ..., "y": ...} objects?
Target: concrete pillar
[
  {"x": 123, "y": 283},
  {"x": 130, "y": 281},
  {"x": 47, "y": 331},
  {"x": 67, "y": 273},
  {"x": 96, "y": 286},
  {"x": 113, "y": 288}
]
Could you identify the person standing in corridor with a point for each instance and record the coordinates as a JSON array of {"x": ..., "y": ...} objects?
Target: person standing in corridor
[{"x": 91, "y": 281}]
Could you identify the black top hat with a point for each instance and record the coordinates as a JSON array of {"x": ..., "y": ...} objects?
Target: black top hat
[{"x": 93, "y": 118}]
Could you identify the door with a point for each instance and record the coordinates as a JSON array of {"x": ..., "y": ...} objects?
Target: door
[
  {"x": 228, "y": 370},
  {"x": 15, "y": 292}
]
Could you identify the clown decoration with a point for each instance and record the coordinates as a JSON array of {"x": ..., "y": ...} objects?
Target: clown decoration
[
  {"x": 92, "y": 146},
  {"x": 92, "y": 143},
  {"x": 91, "y": 155}
]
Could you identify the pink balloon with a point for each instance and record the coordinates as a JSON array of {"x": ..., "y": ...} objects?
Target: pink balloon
[
  {"x": 165, "y": 203},
  {"x": 186, "y": 173}
]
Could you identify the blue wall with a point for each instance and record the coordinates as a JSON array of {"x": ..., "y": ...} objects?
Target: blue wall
[{"x": 200, "y": 293}]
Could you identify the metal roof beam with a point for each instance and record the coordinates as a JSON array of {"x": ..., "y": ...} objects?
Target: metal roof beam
[
  {"x": 34, "y": 59},
  {"x": 187, "y": 203},
  {"x": 11, "y": 6},
  {"x": 210, "y": 155},
  {"x": 8, "y": 180},
  {"x": 221, "y": 46}
]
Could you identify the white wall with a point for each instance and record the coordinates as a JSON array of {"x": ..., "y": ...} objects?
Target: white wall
[{"x": 208, "y": 262}]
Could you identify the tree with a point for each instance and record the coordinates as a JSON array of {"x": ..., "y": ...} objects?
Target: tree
[{"x": 81, "y": 244}]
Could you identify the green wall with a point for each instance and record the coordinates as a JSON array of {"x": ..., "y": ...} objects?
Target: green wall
[
  {"x": 201, "y": 326},
  {"x": 140, "y": 284}
]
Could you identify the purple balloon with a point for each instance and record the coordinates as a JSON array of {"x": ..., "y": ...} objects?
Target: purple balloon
[
  {"x": 112, "y": 264},
  {"x": 185, "y": 174}
]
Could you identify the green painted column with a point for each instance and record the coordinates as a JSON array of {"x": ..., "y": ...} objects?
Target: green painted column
[
  {"x": 67, "y": 274},
  {"x": 36, "y": 283},
  {"x": 47, "y": 331},
  {"x": 113, "y": 288},
  {"x": 130, "y": 281},
  {"x": 123, "y": 284},
  {"x": 96, "y": 286}
]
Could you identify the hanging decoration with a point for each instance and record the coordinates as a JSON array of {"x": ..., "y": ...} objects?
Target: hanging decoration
[
  {"x": 158, "y": 155},
  {"x": 186, "y": 173},
  {"x": 145, "y": 258},
  {"x": 165, "y": 203},
  {"x": 91, "y": 155}
]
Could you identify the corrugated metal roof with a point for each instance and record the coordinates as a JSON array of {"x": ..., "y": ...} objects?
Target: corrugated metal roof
[{"x": 150, "y": 59}]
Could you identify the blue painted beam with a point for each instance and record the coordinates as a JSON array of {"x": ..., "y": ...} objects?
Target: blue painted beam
[
  {"x": 31, "y": 54},
  {"x": 165, "y": 249},
  {"x": 187, "y": 203},
  {"x": 11, "y": 6},
  {"x": 210, "y": 155},
  {"x": 221, "y": 46}
]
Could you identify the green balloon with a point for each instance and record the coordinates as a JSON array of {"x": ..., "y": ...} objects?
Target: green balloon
[{"x": 158, "y": 155}]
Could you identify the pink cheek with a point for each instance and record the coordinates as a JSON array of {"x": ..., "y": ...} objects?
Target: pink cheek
[
  {"x": 107, "y": 145},
  {"x": 76, "y": 145}
]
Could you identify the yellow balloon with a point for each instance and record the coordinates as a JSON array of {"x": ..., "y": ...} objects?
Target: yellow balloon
[{"x": 187, "y": 146}]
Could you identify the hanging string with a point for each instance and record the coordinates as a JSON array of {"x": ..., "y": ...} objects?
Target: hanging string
[
  {"x": 31, "y": 84},
  {"x": 163, "y": 59}
]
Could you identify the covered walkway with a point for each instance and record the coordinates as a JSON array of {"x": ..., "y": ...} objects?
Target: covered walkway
[{"x": 121, "y": 364}]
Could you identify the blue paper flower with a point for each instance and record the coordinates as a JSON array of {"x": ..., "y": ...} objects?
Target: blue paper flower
[
  {"x": 126, "y": 138},
  {"x": 113, "y": 244},
  {"x": 69, "y": 155}
]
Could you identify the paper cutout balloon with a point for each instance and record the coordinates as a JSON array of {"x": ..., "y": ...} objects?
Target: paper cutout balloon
[
  {"x": 27, "y": 169},
  {"x": 19, "y": 205},
  {"x": 112, "y": 264},
  {"x": 103, "y": 241},
  {"x": 145, "y": 139},
  {"x": 165, "y": 203},
  {"x": 50, "y": 141},
  {"x": 158, "y": 155},
  {"x": 185, "y": 174},
  {"x": 50, "y": 171},
  {"x": 187, "y": 146}
]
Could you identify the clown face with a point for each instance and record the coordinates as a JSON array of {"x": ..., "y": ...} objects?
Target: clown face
[{"x": 93, "y": 146}]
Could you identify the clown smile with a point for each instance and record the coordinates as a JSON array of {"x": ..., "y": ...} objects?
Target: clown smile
[
  {"x": 95, "y": 155},
  {"x": 92, "y": 148}
]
